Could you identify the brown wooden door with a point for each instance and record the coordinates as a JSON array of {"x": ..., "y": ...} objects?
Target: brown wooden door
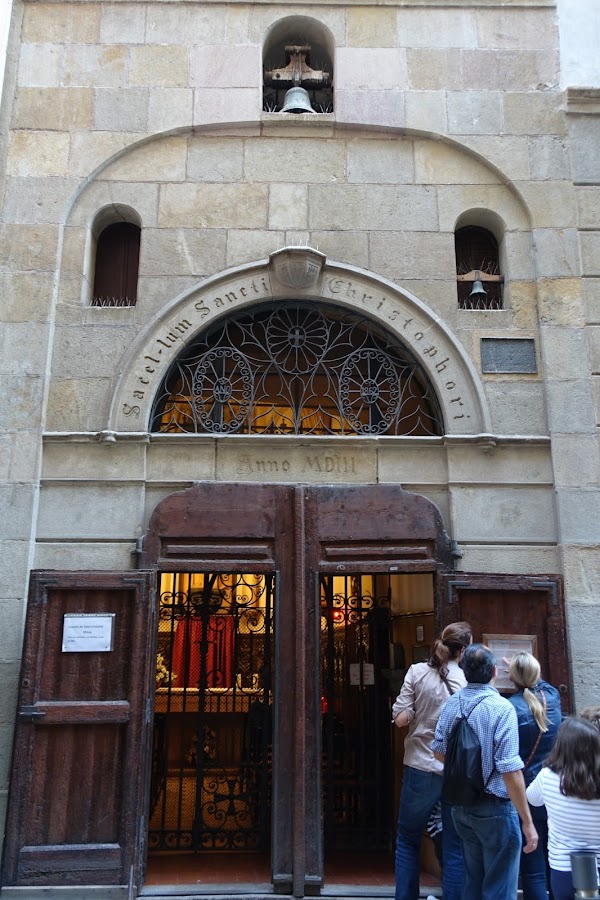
[
  {"x": 78, "y": 789},
  {"x": 513, "y": 604}
]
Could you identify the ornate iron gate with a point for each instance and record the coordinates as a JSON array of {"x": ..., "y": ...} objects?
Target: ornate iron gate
[
  {"x": 355, "y": 710},
  {"x": 211, "y": 768}
]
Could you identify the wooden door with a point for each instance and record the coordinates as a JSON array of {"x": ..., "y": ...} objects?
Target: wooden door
[
  {"x": 512, "y": 605},
  {"x": 78, "y": 789}
]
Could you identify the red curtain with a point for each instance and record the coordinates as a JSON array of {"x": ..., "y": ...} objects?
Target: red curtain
[{"x": 187, "y": 645}]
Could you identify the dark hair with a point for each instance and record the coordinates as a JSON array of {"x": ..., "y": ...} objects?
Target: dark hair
[
  {"x": 478, "y": 663},
  {"x": 575, "y": 756},
  {"x": 454, "y": 639}
]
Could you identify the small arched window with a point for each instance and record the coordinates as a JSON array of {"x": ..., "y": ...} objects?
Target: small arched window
[
  {"x": 478, "y": 277},
  {"x": 116, "y": 266}
]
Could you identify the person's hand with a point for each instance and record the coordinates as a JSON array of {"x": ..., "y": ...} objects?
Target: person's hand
[{"x": 531, "y": 838}]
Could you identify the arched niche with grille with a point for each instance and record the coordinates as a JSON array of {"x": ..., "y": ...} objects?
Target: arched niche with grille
[
  {"x": 477, "y": 241},
  {"x": 116, "y": 235},
  {"x": 298, "y": 57},
  {"x": 296, "y": 368}
]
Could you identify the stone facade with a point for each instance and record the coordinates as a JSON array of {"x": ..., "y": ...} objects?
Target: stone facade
[{"x": 441, "y": 111}]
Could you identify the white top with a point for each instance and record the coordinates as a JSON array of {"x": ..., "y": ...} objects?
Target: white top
[
  {"x": 422, "y": 696},
  {"x": 573, "y": 824}
]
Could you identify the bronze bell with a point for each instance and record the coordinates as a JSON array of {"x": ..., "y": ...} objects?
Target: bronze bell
[
  {"x": 296, "y": 100},
  {"x": 478, "y": 289}
]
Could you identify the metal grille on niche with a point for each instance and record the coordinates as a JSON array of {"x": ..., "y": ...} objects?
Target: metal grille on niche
[{"x": 296, "y": 368}]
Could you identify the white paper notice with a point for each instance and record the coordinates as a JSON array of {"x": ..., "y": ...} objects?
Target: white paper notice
[
  {"x": 368, "y": 673},
  {"x": 87, "y": 632}
]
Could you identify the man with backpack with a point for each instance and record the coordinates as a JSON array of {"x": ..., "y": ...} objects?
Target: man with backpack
[{"x": 477, "y": 738}]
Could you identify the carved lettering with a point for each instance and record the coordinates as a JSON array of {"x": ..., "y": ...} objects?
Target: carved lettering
[
  {"x": 440, "y": 366},
  {"x": 202, "y": 308},
  {"x": 430, "y": 351},
  {"x": 219, "y": 302},
  {"x": 139, "y": 395},
  {"x": 336, "y": 285},
  {"x": 231, "y": 296},
  {"x": 131, "y": 410}
]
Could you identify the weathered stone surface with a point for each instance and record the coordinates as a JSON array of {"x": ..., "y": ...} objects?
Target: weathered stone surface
[
  {"x": 551, "y": 204},
  {"x": 509, "y": 153},
  {"x": 89, "y": 352},
  {"x": 344, "y": 246},
  {"x": 88, "y": 511},
  {"x": 368, "y": 69},
  {"x": 30, "y": 201},
  {"x": 26, "y": 297},
  {"x": 408, "y": 255},
  {"x": 93, "y": 461},
  {"x": 513, "y": 560},
  {"x": 18, "y": 454},
  {"x": 28, "y": 248},
  {"x": 288, "y": 206},
  {"x": 557, "y": 252},
  {"x": 121, "y": 109},
  {"x": 590, "y": 292},
  {"x": 371, "y": 27},
  {"x": 37, "y": 153},
  {"x": 582, "y": 574},
  {"x": 549, "y": 158},
  {"x": 142, "y": 198},
  {"x": 579, "y": 515},
  {"x": 170, "y": 108},
  {"x": 215, "y": 158},
  {"x": 516, "y": 256},
  {"x": 11, "y": 638},
  {"x": 190, "y": 461},
  {"x": 92, "y": 149},
  {"x": 95, "y": 65},
  {"x": 61, "y": 23},
  {"x": 576, "y": 460},
  {"x": 13, "y": 576},
  {"x": 412, "y": 464},
  {"x": 20, "y": 406},
  {"x": 505, "y": 464},
  {"x": 244, "y": 246},
  {"x": 426, "y": 111},
  {"x": 533, "y": 113},
  {"x": 588, "y": 205},
  {"x": 294, "y": 160},
  {"x": 517, "y": 28},
  {"x": 430, "y": 28},
  {"x": 585, "y": 149},
  {"x": 40, "y": 65},
  {"x": 434, "y": 70},
  {"x": 182, "y": 251},
  {"x": 376, "y": 207},
  {"x": 224, "y": 66},
  {"x": 570, "y": 407},
  {"x": 214, "y": 105},
  {"x": 187, "y": 24},
  {"x": 167, "y": 155},
  {"x": 507, "y": 513},
  {"x": 474, "y": 112},
  {"x": 454, "y": 200},
  {"x": 439, "y": 163},
  {"x": 213, "y": 205},
  {"x": 380, "y": 161},
  {"x": 23, "y": 348},
  {"x": 520, "y": 410},
  {"x": 53, "y": 109},
  {"x": 509, "y": 70},
  {"x": 167, "y": 66},
  {"x": 590, "y": 247},
  {"x": 119, "y": 28},
  {"x": 16, "y": 509},
  {"x": 379, "y": 108},
  {"x": 560, "y": 301},
  {"x": 564, "y": 352},
  {"x": 80, "y": 555}
]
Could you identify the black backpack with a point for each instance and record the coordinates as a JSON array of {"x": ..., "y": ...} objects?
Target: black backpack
[{"x": 463, "y": 782}]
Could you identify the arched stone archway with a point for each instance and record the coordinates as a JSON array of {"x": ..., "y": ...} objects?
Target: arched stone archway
[{"x": 300, "y": 273}]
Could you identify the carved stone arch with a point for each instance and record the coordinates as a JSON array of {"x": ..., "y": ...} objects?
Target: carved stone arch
[{"x": 300, "y": 273}]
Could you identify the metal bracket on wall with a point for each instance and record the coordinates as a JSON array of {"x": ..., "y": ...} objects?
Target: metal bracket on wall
[
  {"x": 548, "y": 586},
  {"x": 456, "y": 584}
]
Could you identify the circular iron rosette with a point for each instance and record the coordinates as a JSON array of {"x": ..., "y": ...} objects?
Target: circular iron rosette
[
  {"x": 222, "y": 389},
  {"x": 296, "y": 339},
  {"x": 369, "y": 391}
]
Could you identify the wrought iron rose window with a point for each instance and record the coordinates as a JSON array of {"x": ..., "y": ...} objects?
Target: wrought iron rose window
[{"x": 296, "y": 368}]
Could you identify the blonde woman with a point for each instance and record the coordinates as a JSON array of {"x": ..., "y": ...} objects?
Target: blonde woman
[{"x": 537, "y": 704}]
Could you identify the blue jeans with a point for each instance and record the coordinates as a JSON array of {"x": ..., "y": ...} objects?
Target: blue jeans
[
  {"x": 562, "y": 885},
  {"x": 491, "y": 837},
  {"x": 420, "y": 793},
  {"x": 534, "y": 867}
]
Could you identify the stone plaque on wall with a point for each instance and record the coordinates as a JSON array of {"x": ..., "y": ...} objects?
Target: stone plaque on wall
[{"x": 508, "y": 355}]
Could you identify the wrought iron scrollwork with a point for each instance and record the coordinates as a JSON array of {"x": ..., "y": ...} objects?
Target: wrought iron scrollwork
[{"x": 297, "y": 368}]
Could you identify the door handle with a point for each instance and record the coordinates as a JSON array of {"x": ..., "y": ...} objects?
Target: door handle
[{"x": 30, "y": 714}]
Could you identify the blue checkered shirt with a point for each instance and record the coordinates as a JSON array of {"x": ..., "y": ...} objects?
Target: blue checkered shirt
[{"x": 494, "y": 720}]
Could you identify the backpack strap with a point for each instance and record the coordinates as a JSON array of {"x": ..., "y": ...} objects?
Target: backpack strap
[{"x": 467, "y": 717}]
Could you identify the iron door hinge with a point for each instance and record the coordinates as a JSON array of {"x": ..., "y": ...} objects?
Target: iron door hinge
[{"x": 30, "y": 714}]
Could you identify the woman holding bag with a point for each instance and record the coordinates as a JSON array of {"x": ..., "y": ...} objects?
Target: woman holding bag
[
  {"x": 426, "y": 688},
  {"x": 537, "y": 704}
]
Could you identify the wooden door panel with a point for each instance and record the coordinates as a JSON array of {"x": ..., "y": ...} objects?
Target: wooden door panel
[
  {"x": 78, "y": 791},
  {"x": 513, "y": 604}
]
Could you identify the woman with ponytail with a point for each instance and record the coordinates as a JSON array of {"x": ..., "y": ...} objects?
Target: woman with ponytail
[
  {"x": 426, "y": 688},
  {"x": 538, "y": 711}
]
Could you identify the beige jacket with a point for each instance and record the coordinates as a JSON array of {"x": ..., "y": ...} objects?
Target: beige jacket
[{"x": 422, "y": 696}]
